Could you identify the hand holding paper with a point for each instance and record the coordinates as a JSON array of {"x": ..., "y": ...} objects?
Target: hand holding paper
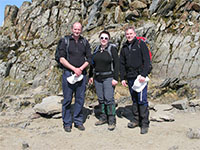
[
  {"x": 139, "y": 86},
  {"x": 73, "y": 78}
]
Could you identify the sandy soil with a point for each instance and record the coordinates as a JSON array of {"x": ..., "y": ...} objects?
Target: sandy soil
[{"x": 17, "y": 129}]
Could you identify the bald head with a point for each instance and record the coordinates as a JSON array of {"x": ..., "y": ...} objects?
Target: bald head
[
  {"x": 77, "y": 24},
  {"x": 76, "y": 29}
]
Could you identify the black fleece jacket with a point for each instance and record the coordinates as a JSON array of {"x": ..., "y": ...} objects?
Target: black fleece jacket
[
  {"x": 78, "y": 52},
  {"x": 134, "y": 60}
]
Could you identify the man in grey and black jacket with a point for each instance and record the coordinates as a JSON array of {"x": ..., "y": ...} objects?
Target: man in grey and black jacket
[{"x": 134, "y": 61}]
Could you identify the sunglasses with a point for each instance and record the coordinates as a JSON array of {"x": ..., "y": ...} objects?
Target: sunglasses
[{"x": 103, "y": 38}]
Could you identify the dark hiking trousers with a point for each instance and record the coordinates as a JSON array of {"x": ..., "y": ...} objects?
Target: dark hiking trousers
[
  {"x": 105, "y": 91},
  {"x": 105, "y": 94},
  {"x": 79, "y": 90},
  {"x": 140, "y": 105}
]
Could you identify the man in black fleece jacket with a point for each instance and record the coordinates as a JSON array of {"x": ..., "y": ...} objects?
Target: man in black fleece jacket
[
  {"x": 134, "y": 61},
  {"x": 79, "y": 58}
]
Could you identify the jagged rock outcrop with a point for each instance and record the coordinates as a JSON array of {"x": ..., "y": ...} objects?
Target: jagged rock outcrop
[{"x": 30, "y": 33}]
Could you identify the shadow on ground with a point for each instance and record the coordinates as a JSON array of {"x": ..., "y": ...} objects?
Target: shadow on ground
[{"x": 125, "y": 112}]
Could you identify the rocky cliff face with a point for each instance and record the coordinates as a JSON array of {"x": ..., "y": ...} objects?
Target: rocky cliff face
[{"x": 30, "y": 34}]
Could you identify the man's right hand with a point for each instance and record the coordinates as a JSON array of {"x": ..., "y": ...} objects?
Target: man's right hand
[
  {"x": 124, "y": 83},
  {"x": 77, "y": 71}
]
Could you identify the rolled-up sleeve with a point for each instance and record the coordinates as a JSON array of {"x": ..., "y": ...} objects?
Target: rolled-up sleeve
[{"x": 62, "y": 48}]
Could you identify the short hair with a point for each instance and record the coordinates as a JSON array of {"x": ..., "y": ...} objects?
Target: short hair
[
  {"x": 105, "y": 32},
  {"x": 130, "y": 27}
]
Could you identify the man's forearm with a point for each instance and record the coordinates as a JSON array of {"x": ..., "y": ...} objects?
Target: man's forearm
[
  {"x": 65, "y": 63},
  {"x": 84, "y": 65}
]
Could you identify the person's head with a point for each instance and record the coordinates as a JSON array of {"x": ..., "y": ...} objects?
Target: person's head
[
  {"x": 130, "y": 33},
  {"x": 76, "y": 29},
  {"x": 104, "y": 37}
]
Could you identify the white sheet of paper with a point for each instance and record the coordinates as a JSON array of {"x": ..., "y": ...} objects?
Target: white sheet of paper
[{"x": 73, "y": 78}]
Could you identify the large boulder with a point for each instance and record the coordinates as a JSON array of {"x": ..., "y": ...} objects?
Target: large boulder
[{"x": 50, "y": 105}]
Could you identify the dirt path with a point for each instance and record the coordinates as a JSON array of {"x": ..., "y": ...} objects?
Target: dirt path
[{"x": 17, "y": 129}]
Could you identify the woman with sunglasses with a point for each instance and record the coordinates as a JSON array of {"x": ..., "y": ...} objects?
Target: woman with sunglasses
[{"x": 105, "y": 69}]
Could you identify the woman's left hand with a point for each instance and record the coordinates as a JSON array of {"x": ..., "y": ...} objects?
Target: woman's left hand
[{"x": 114, "y": 82}]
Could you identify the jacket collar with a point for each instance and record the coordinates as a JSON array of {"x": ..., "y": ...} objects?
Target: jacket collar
[
  {"x": 127, "y": 43},
  {"x": 71, "y": 37}
]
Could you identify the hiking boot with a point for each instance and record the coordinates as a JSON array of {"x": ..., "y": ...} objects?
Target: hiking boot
[
  {"x": 144, "y": 130},
  {"x": 132, "y": 125},
  {"x": 111, "y": 123},
  {"x": 67, "y": 128},
  {"x": 100, "y": 122},
  {"x": 80, "y": 127},
  {"x": 111, "y": 127},
  {"x": 103, "y": 117}
]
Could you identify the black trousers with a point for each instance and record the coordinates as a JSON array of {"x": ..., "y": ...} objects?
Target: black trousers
[{"x": 140, "y": 107}]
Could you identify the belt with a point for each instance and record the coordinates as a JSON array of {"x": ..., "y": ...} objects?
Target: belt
[{"x": 103, "y": 73}]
